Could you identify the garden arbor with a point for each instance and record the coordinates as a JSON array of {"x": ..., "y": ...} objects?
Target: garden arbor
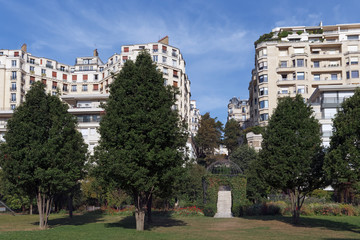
[{"x": 224, "y": 180}]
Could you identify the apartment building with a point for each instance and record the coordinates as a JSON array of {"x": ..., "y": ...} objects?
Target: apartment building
[
  {"x": 292, "y": 60},
  {"x": 239, "y": 110},
  {"x": 325, "y": 102},
  {"x": 195, "y": 117},
  {"x": 86, "y": 83}
]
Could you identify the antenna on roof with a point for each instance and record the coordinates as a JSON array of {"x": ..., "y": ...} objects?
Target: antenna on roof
[{"x": 320, "y": 24}]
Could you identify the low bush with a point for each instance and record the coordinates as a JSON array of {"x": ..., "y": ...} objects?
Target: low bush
[
  {"x": 187, "y": 211},
  {"x": 209, "y": 210}
]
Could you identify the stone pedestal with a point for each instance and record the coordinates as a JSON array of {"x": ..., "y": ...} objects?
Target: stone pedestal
[{"x": 224, "y": 205}]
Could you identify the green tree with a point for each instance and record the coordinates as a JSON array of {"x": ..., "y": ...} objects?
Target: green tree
[
  {"x": 232, "y": 134},
  {"x": 43, "y": 153},
  {"x": 142, "y": 143},
  {"x": 208, "y": 137},
  {"x": 248, "y": 159},
  {"x": 291, "y": 155},
  {"x": 342, "y": 162}
]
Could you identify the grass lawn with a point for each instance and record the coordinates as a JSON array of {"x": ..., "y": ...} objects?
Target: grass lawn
[{"x": 97, "y": 226}]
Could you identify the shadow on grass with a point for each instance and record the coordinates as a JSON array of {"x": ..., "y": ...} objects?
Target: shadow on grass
[
  {"x": 311, "y": 223},
  {"x": 158, "y": 220},
  {"x": 76, "y": 220}
]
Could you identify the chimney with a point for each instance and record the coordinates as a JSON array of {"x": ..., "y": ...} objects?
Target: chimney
[
  {"x": 24, "y": 47},
  {"x": 96, "y": 53},
  {"x": 164, "y": 40}
]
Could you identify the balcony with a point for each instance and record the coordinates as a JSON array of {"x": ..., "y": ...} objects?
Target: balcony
[
  {"x": 12, "y": 89},
  {"x": 174, "y": 54},
  {"x": 49, "y": 66},
  {"x": 13, "y": 78},
  {"x": 285, "y": 69},
  {"x": 299, "y": 54}
]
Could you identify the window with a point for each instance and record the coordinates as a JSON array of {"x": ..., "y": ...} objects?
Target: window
[
  {"x": 96, "y": 77},
  {"x": 355, "y": 74},
  {"x": 54, "y": 85},
  {"x": 155, "y": 48},
  {"x": 316, "y": 77},
  {"x": 164, "y": 49},
  {"x": 43, "y": 81},
  {"x": 165, "y": 71},
  {"x": 262, "y": 65},
  {"x": 175, "y": 73},
  {"x": 164, "y": 59},
  {"x": 32, "y": 61},
  {"x": 96, "y": 87},
  {"x": 74, "y": 77},
  {"x": 263, "y": 91},
  {"x": 54, "y": 74},
  {"x": 264, "y": 117},
  {"x": 125, "y": 58},
  {"x": 13, "y": 63},
  {"x": 354, "y": 61},
  {"x": 300, "y": 62},
  {"x": 64, "y": 77},
  {"x": 283, "y": 64},
  {"x": 298, "y": 50},
  {"x": 43, "y": 72},
  {"x": 284, "y": 91},
  {"x": 49, "y": 64},
  {"x": 174, "y": 54},
  {"x": 300, "y": 76},
  {"x": 16, "y": 54},
  {"x": 352, "y": 48},
  {"x": 353, "y": 37},
  {"x": 155, "y": 58},
  {"x": 62, "y": 68},
  {"x": 264, "y": 104},
  {"x": 174, "y": 63},
  {"x": 165, "y": 82},
  {"x": 347, "y": 75},
  {"x": 13, "y": 75},
  {"x": 263, "y": 52},
  {"x": 334, "y": 76},
  {"x": 32, "y": 69},
  {"x": 13, "y": 97},
  {"x": 85, "y": 77},
  {"x": 13, "y": 86},
  {"x": 316, "y": 64},
  {"x": 175, "y": 84},
  {"x": 301, "y": 89},
  {"x": 65, "y": 88},
  {"x": 12, "y": 106},
  {"x": 263, "y": 78},
  {"x": 126, "y": 49},
  {"x": 73, "y": 88},
  {"x": 84, "y": 88}
]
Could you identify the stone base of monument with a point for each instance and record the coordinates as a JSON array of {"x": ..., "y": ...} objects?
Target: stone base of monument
[{"x": 224, "y": 205}]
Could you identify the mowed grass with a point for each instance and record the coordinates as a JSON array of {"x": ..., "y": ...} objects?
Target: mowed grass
[{"x": 98, "y": 226}]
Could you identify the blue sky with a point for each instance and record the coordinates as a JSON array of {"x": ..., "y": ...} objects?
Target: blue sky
[{"x": 215, "y": 37}]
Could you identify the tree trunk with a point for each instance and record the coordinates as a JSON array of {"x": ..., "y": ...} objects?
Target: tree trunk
[
  {"x": 296, "y": 203},
  {"x": 149, "y": 205},
  {"x": 70, "y": 205},
  {"x": 31, "y": 207},
  {"x": 140, "y": 217},
  {"x": 44, "y": 207}
]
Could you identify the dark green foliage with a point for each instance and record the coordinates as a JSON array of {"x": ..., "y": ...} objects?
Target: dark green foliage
[
  {"x": 191, "y": 184},
  {"x": 237, "y": 185},
  {"x": 283, "y": 34},
  {"x": 142, "y": 139},
  {"x": 210, "y": 210},
  {"x": 265, "y": 37},
  {"x": 316, "y": 31},
  {"x": 254, "y": 129},
  {"x": 248, "y": 160},
  {"x": 43, "y": 154},
  {"x": 208, "y": 137},
  {"x": 232, "y": 134},
  {"x": 299, "y": 32},
  {"x": 342, "y": 163},
  {"x": 292, "y": 157}
]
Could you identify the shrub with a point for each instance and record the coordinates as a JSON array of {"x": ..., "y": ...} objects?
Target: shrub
[
  {"x": 299, "y": 32},
  {"x": 209, "y": 210}
]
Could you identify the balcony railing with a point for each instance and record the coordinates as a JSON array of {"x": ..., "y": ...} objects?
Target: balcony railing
[
  {"x": 49, "y": 66},
  {"x": 13, "y": 77},
  {"x": 12, "y": 89}
]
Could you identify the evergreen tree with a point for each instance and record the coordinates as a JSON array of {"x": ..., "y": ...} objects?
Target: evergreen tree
[
  {"x": 43, "y": 153},
  {"x": 232, "y": 134},
  {"x": 142, "y": 141},
  {"x": 342, "y": 162},
  {"x": 208, "y": 137},
  {"x": 291, "y": 155}
]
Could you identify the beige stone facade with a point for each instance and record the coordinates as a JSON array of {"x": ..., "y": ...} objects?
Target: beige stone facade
[
  {"x": 299, "y": 60},
  {"x": 240, "y": 111}
]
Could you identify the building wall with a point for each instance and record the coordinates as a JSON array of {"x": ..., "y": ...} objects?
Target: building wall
[
  {"x": 300, "y": 62},
  {"x": 239, "y": 110}
]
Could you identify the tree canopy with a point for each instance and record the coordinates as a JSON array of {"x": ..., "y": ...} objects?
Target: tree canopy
[
  {"x": 208, "y": 136},
  {"x": 43, "y": 153},
  {"x": 291, "y": 155},
  {"x": 342, "y": 162},
  {"x": 142, "y": 143},
  {"x": 232, "y": 134}
]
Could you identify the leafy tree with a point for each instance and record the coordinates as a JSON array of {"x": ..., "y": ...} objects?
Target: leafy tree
[
  {"x": 232, "y": 134},
  {"x": 142, "y": 139},
  {"x": 342, "y": 162},
  {"x": 208, "y": 137},
  {"x": 248, "y": 160},
  {"x": 291, "y": 155},
  {"x": 43, "y": 154}
]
